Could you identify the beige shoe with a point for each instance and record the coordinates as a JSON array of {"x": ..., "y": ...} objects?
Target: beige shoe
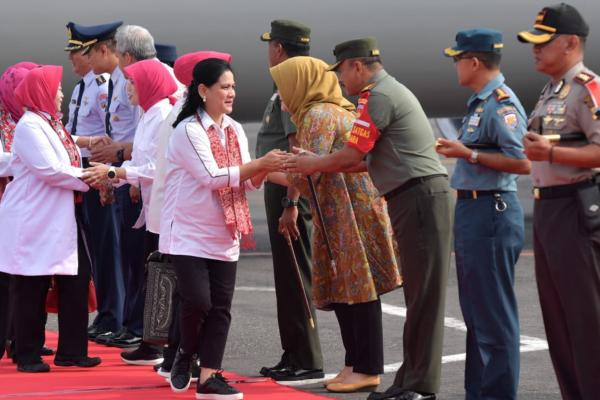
[
  {"x": 339, "y": 377},
  {"x": 370, "y": 383}
]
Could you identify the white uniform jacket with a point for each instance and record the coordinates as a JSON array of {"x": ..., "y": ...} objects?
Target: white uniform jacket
[
  {"x": 37, "y": 212},
  {"x": 141, "y": 168},
  {"x": 192, "y": 221}
]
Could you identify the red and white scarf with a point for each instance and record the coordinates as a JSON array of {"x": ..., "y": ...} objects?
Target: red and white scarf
[{"x": 233, "y": 200}]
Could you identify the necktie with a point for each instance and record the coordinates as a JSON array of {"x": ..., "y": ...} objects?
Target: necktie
[
  {"x": 77, "y": 105},
  {"x": 107, "y": 120}
]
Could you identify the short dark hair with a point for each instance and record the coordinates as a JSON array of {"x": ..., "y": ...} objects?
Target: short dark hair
[
  {"x": 293, "y": 49},
  {"x": 489, "y": 60},
  {"x": 206, "y": 72}
]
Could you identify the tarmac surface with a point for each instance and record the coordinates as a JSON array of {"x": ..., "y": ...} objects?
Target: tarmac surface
[{"x": 254, "y": 336}]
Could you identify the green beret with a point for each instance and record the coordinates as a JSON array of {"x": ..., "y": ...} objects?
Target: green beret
[
  {"x": 288, "y": 31},
  {"x": 366, "y": 47}
]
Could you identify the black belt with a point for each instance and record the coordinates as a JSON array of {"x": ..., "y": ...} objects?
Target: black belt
[
  {"x": 411, "y": 183},
  {"x": 555, "y": 192},
  {"x": 474, "y": 194}
]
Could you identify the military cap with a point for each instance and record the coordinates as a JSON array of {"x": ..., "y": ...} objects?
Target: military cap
[
  {"x": 288, "y": 31},
  {"x": 555, "y": 20},
  {"x": 82, "y": 37},
  {"x": 480, "y": 40},
  {"x": 358, "y": 48},
  {"x": 166, "y": 53}
]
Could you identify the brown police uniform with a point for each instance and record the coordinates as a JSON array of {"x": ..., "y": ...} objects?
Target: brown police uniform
[{"x": 567, "y": 218}]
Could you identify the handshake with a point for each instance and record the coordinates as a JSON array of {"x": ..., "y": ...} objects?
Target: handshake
[{"x": 298, "y": 161}]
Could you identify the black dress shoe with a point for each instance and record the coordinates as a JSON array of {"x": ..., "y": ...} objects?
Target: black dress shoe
[
  {"x": 410, "y": 395},
  {"x": 390, "y": 393},
  {"x": 46, "y": 351},
  {"x": 94, "y": 331},
  {"x": 34, "y": 367},
  {"x": 125, "y": 340},
  {"x": 106, "y": 337},
  {"x": 86, "y": 362},
  {"x": 267, "y": 371},
  {"x": 296, "y": 374}
]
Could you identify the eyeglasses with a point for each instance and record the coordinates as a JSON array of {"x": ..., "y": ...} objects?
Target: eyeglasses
[{"x": 462, "y": 57}]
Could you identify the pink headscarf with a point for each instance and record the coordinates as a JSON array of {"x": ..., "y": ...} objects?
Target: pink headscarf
[
  {"x": 9, "y": 80},
  {"x": 37, "y": 91},
  {"x": 184, "y": 65},
  {"x": 152, "y": 82}
]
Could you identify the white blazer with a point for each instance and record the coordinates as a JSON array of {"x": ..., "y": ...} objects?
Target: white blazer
[
  {"x": 37, "y": 212},
  {"x": 5, "y": 161},
  {"x": 140, "y": 170},
  {"x": 192, "y": 221}
]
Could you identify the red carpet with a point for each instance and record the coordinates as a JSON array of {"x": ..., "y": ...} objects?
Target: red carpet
[{"x": 115, "y": 380}]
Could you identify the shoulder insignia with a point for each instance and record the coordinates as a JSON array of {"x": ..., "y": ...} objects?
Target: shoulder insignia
[
  {"x": 368, "y": 87},
  {"x": 100, "y": 80},
  {"x": 584, "y": 77},
  {"x": 501, "y": 95},
  {"x": 593, "y": 87}
]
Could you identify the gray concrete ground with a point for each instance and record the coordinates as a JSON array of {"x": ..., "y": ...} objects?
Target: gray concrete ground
[{"x": 254, "y": 337}]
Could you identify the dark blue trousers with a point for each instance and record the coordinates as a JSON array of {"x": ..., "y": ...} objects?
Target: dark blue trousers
[
  {"x": 106, "y": 261},
  {"x": 132, "y": 259},
  {"x": 488, "y": 243}
]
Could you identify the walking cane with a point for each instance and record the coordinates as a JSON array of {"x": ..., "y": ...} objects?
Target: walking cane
[
  {"x": 297, "y": 268},
  {"x": 322, "y": 221}
]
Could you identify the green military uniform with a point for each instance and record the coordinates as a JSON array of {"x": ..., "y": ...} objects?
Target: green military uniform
[
  {"x": 393, "y": 130},
  {"x": 565, "y": 221},
  {"x": 300, "y": 342}
]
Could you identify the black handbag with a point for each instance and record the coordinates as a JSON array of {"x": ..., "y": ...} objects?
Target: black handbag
[{"x": 161, "y": 284}]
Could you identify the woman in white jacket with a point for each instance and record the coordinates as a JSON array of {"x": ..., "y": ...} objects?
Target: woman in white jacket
[
  {"x": 150, "y": 86},
  {"x": 206, "y": 219},
  {"x": 40, "y": 210}
]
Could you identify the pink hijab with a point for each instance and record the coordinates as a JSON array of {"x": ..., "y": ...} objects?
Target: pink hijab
[
  {"x": 9, "y": 81},
  {"x": 152, "y": 82},
  {"x": 37, "y": 91},
  {"x": 184, "y": 65}
]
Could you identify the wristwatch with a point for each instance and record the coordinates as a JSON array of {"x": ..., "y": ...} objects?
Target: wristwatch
[
  {"x": 473, "y": 157},
  {"x": 120, "y": 155},
  {"x": 111, "y": 173},
  {"x": 287, "y": 203}
]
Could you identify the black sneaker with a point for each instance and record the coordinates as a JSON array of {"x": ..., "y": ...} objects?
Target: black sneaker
[
  {"x": 217, "y": 388},
  {"x": 165, "y": 371},
  {"x": 181, "y": 372},
  {"x": 143, "y": 355}
]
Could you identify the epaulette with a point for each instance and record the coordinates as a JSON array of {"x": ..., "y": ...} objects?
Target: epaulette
[
  {"x": 100, "y": 80},
  {"x": 501, "y": 95},
  {"x": 368, "y": 87},
  {"x": 584, "y": 77},
  {"x": 589, "y": 81}
]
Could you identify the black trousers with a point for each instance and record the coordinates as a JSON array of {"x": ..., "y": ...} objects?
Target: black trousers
[
  {"x": 206, "y": 290},
  {"x": 567, "y": 269},
  {"x": 362, "y": 334},
  {"x": 30, "y": 311},
  {"x": 300, "y": 342},
  {"x": 4, "y": 310}
]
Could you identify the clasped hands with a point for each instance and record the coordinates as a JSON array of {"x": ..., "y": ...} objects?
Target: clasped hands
[{"x": 299, "y": 161}]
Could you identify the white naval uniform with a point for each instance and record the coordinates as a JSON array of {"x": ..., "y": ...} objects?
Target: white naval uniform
[
  {"x": 38, "y": 208},
  {"x": 193, "y": 221},
  {"x": 92, "y": 110}
]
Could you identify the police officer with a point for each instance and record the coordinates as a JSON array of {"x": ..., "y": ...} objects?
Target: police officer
[
  {"x": 166, "y": 53},
  {"x": 95, "y": 42},
  {"x": 393, "y": 133},
  {"x": 488, "y": 222},
  {"x": 302, "y": 358},
  {"x": 567, "y": 199}
]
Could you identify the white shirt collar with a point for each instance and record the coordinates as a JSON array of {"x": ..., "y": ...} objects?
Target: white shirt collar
[{"x": 207, "y": 121}]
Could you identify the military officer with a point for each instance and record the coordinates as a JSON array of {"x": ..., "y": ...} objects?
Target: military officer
[
  {"x": 393, "y": 133},
  {"x": 86, "y": 42},
  {"x": 166, "y": 53},
  {"x": 302, "y": 358},
  {"x": 488, "y": 222},
  {"x": 567, "y": 199}
]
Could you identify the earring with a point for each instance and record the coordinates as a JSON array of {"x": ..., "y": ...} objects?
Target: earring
[{"x": 204, "y": 99}]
